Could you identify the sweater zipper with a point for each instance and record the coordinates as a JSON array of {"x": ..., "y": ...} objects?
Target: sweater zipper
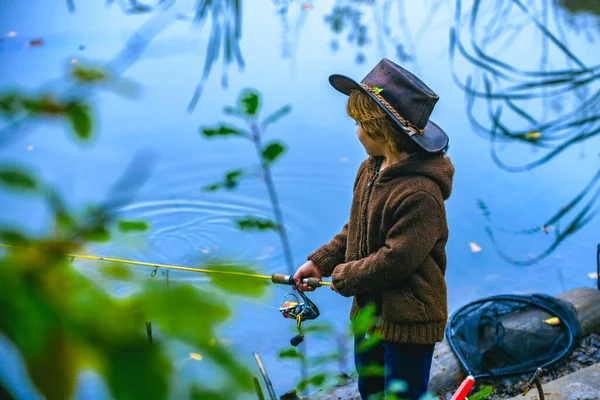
[{"x": 364, "y": 242}]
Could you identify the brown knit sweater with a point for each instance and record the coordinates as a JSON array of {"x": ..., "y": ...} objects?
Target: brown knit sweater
[{"x": 392, "y": 250}]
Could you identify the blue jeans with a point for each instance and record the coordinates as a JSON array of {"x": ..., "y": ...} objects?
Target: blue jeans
[{"x": 406, "y": 362}]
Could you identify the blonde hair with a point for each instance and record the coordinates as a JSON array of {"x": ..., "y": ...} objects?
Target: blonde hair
[{"x": 377, "y": 124}]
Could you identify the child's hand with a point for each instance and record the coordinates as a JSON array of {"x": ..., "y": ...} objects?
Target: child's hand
[{"x": 307, "y": 270}]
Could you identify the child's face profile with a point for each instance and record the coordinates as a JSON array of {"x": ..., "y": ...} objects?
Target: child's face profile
[{"x": 373, "y": 147}]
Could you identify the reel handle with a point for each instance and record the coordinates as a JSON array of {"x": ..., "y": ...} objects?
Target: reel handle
[
  {"x": 289, "y": 280},
  {"x": 296, "y": 340}
]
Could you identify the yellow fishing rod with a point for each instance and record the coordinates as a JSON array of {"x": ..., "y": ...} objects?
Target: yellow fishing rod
[
  {"x": 275, "y": 278},
  {"x": 300, "y": 310}
]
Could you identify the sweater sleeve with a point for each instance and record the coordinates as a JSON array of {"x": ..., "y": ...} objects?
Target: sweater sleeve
[
  {"x": 333, "y": 253},
  {"x": 407, "y": 245},
  {"x": 328, "y": 256}
]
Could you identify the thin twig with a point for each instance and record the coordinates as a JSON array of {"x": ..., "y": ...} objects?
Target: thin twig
[{"x": 263, "y": 372}]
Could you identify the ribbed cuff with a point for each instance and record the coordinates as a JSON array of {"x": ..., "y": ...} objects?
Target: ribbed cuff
[
  {"x": 323, "y": 260},
  {"x": 341, "y": 285}
]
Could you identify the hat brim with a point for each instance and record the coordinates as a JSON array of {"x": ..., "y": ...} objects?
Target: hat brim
[{"x": 433, "y": 140}]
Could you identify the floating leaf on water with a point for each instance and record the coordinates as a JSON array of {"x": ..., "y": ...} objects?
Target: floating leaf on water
[
  {"x": 593, "y": 275},
  {"x": 196, "y": 356},
  {"x": 36, "y": 42},
  {"x": 552, "y": 321},
  {"x": 474, "y": 247},
  {"x": 132, "y": 226},
  {"x": 533, "y": 135}
]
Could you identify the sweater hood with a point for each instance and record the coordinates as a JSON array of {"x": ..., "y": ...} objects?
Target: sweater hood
[{"x": 436, "y": 167}]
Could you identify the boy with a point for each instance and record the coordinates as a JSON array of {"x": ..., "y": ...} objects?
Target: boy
[{"x": 391, "y": 253}]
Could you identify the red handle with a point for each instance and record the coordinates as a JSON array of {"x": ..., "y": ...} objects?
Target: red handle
[{"x": 464, "y": 388}]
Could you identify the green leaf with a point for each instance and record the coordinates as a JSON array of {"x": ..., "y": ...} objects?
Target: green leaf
[
  {"x": 197, "y": 393},
  {"x": 482, "y": 393},
  {"x": 372, "y": 370},
  {"x": 117, "y": 271},
  {"x": 249, "y": 102},
  {"x": 290, "y": 353},
  {"x": 13, "y": 237},
  {"x": 368, "y": 343},
  {"x": 81, "y": 120},
  {"x": 232, "y": 178},
  {"x": 377, "y": 89},
  {"x": 302, "y": 385},
  {"x": 316, "y": 327},
  {"x": 223, "y": 131},
  {"x": 363, "y": 320},
  {"x": 212, "y": 188},
  {"x": 176, "y": 309},
  {"x": 323, "y": 358},
  {"x": 272, "y": 151},
  {"x": 97, "y": 234},
  {"x": 132, "y": 226},
  {"x": 235, "y": 282},
  {"x": 252, "y": 223},
  {"x": 318, "y": 380},
  {"x": 15, "y": 178},
  {"x": 11, "y": 104},
  {"x": 123, "y": 368},
  {"x": 277, "y": 115}
]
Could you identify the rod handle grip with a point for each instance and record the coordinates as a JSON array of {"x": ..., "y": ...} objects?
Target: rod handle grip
[{"x": 288, "y": 280}]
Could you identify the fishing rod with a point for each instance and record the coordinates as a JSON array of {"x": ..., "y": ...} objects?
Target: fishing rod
[{"x": 298, "y": 309}]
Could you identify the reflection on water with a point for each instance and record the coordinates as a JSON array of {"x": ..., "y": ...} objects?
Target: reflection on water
[{"x": 548, "y": 101}]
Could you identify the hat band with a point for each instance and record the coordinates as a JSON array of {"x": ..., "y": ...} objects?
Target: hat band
[{"x": 411, "y": 129}]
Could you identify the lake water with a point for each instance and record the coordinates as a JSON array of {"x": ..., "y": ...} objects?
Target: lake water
[{"x": 314, "y": 178}]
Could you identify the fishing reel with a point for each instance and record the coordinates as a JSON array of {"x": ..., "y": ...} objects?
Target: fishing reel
[{"x": 300, "y": 310}]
